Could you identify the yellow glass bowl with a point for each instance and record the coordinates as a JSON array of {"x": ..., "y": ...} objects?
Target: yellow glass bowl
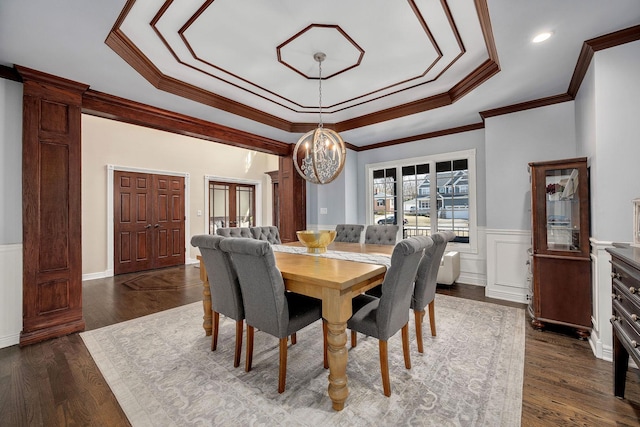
[{"x": 316, "y": 241}]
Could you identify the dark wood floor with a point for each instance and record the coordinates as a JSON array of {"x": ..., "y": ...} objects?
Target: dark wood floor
[{"x": 56, "y": 383}]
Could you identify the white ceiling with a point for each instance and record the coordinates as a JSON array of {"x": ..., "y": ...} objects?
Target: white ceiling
[{"x": 259, "y": 55}]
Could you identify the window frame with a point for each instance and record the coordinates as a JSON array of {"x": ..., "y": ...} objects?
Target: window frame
[{"x": 469, "y": 155}]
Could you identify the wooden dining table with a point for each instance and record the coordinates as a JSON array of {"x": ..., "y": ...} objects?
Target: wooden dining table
[{"x": 335, "y": 282}]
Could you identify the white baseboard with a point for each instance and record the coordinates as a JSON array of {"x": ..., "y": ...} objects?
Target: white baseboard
[
  {"x": 98, "y": 275},
  {"x": 10, "y": 294},
  {"x": 469, "y": 278},
  {"x": 9, "y": 340}
]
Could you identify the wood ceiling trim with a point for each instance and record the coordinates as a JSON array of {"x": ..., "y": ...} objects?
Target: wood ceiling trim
[
  {"x": 536, "y": 103},
  {"x": 112, "y": 107},
  {"x": 418, "y": 106},
  {"x": 444, "y": 132},
  {"x": 591, "y": 46},
  {"x": 9, "y": 73},
  {"x": 127, "y": 50},
  {"x": 474, "y": 79},
  {"x": 39, "y": 78},
  {"x": 191, "y": 20},
  {"x": 332, "y": 107},
  {"x": 339, "y": 29}
]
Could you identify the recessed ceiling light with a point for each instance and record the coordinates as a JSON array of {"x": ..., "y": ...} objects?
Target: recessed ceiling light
[{"x": 541, "y": 37}]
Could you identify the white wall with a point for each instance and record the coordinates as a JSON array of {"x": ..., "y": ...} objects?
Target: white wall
[
  {"x": 10, "y": 212},
  {"x": 607, "y": 112},
  {"x": 339, "y": 198},
  {"x": 10, "y": 162},
  {"x": 512, "y": 141},
  {"x": 617, "y": 141},
  {"x": 107, "y": 142}
]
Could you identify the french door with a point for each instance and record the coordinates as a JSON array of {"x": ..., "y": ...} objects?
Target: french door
[
  {"x": 149, "y": 221},
  {"x": 231, "y": 205}
]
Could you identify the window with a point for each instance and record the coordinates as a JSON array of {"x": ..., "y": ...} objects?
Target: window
[
  {"x": 385, "y": 189},
  {"x": 451, "y": 206}
]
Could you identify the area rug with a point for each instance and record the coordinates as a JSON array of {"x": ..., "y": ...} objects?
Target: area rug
[
  {"x": 163, "y": 280},
  {"x": 163, "y": 373}
]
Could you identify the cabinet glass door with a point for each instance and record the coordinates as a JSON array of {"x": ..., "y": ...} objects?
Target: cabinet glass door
[{"x": 562, "y": 210}]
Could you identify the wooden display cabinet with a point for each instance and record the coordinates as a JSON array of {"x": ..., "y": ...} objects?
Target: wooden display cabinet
[{"x": 560, "y": 237}]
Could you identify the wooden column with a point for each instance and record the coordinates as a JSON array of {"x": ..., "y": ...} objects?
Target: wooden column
[
  {"x": 292, "y": 199},
  {"x": 275, "y": 192},
  {"x": 51, "y": 207}
]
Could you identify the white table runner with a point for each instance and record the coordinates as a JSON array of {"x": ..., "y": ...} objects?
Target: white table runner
[{"x": 347, "y": 256}]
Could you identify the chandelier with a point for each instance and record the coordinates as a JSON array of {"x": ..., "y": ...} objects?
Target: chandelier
[{"x": 319, "y": 154}]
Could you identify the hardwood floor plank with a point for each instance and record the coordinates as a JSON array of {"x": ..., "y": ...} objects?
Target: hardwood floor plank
[{"x": 57, "y": 382}]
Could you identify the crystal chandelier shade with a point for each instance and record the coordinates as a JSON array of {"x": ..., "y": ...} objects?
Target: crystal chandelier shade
[{"x": 319, "y": 155}]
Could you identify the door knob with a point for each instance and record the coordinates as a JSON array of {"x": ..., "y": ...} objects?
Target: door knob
[
  {"x": 157, "y": 225},
  {"x": 147, "y": 226}
]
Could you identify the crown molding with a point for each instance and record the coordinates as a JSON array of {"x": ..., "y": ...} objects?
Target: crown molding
[
  {"x": 450, "y": 131},
  {"x": 591, "y": 46},
  {"x": 112, "y": 107},
  {"x": 10, "y": 73},
  {"x": 130, "y": 53}
]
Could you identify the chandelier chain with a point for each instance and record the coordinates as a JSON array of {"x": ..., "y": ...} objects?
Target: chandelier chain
[{"x": 320, "y": 92}]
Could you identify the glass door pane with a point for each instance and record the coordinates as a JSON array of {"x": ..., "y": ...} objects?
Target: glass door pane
[
  {"x": 562, "y": 210},
  {"x": 245, "y": 205},
  {"x": 218, "y": 206},
  {"x": 453, "y": 198},
  {"x": 384, "y": 196},
  {"x": 231, "y": 205},
  {"x": 416, "y": 192}
]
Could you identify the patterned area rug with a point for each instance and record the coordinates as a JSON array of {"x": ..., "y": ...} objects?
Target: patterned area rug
[
  {"x": 162, "y": 280},
  {"x": 162, "y": 372}
]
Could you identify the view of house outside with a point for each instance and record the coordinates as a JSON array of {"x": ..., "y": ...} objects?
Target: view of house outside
[{"x": 421, "y": 211}]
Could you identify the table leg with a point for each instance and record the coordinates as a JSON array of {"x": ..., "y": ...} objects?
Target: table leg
[
  {"x": 206, "y": 299},
  {"x": 620, "y": 365},
  {"x": 336, "y": 310}
]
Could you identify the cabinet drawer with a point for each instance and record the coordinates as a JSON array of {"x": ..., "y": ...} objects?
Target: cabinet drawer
[
  {"x": 626, "y": 333},
  {"x": 625, "y": 277},
  {"x": 627, "y": 301},
  {"x": 629, "y": 318}
]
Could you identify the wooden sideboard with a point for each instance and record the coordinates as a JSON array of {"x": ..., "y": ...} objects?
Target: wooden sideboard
[{"x": 625, "y": 283}]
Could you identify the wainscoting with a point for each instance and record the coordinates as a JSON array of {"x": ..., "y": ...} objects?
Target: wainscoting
[
  {"x": 10, "y": 294},
  {"x": 601, "y": 339},
  {"x": 507, "y": 268}
]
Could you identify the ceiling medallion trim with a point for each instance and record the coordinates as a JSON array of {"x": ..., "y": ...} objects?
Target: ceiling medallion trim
[
  {"x": 415, "y": 10},
  {"x": 129, "y": 52},
  {"x": 326, "y": 26}
]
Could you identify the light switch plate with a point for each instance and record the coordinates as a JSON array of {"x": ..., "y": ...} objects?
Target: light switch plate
[{"x": 323, "y": 211}]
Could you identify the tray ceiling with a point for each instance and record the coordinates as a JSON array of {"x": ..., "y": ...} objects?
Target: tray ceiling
[{"x": 395, "y": 70}]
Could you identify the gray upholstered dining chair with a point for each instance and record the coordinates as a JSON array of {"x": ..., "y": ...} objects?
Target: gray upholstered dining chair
[
  {"x": 424, "y": 292},
  {"x": 349, "y": 233},
  {"x": 234, "y": 232},
  {"x": 268, "y": 306},
  {"x": 383, "y": 317},
  {"x": 381, "y": 234},
  {"x": 269, "y": 233},
  {"x": 226, "y": 297}
]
